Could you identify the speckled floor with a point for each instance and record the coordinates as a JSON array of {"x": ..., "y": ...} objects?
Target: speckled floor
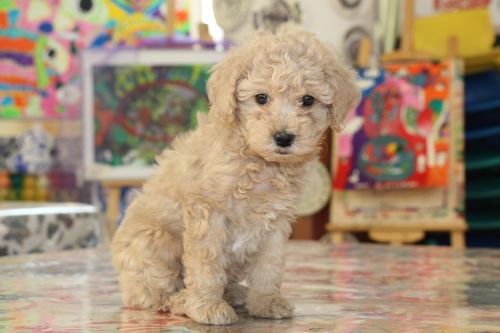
[{"x": 348, "y": 288}]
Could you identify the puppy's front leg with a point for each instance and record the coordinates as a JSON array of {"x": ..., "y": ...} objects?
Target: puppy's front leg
[
  {"x": 264, "y": 299},
  {"x": 205, "y": 269}
]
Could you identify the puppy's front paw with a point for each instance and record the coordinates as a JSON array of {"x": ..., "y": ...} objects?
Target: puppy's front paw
[
  {"x": 269, "y": 306},
  {"x": 219, "y": 313}
]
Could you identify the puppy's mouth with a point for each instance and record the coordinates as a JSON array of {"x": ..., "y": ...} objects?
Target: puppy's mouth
[{"x": 282, "y": 151}]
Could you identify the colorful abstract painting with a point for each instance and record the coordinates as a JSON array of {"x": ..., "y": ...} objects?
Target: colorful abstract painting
[
  {"x": 398, "y": 136},
  {"x": 41, "y": 43},
  {"x": 139, "y": 109}
]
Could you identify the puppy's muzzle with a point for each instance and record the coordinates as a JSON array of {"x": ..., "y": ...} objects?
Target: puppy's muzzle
[{"x": 283, "y": 139}]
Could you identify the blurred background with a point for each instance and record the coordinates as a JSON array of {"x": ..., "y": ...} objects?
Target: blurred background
[{"x": 92, "y": 90}]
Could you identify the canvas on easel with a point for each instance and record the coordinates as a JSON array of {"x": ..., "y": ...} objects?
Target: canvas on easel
[
  {"x": 398, "y": 164},
  {"x": 136, "y": 102}
]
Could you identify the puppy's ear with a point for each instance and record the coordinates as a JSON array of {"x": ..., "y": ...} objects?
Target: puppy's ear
[
  {"x": 345, "y": 93},
  {"x": 221, "y": 86}
]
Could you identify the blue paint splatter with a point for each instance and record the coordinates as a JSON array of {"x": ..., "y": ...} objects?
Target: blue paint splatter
[
  {"x": 45, "y": 27},
  {"x": 7, "y": 101},
  {"x": 100, "y": 40},
  {"x": 13, "y": 16}
]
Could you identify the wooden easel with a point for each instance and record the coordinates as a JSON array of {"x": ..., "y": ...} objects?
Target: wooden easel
[
  {"x": 113, "y": 189},
  {"x": 407, "y": 51},
  {"x": 396, "y": 233},
  {"x": 170, "y": 18},
  {"x": 364, "y": 53}
]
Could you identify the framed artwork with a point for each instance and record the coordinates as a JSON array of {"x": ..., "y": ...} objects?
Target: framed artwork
[
  {"x": 135, "y": 103},
  {"x": 398, "y": 164}
]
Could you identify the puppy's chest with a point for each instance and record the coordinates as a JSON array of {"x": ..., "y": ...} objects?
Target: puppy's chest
[
  {"x": 266, "y": 204},
  {"x": 268, "y": 196}
]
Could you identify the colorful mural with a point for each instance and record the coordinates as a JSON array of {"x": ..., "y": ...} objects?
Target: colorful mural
[
  {"x": 398, "y": 135},
  {"x": 40, "y": 43},
  {"x": 140, "y": 109}
]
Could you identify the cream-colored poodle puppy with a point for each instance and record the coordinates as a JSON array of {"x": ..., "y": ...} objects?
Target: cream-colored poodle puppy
[{"x": 218, "y": 209}]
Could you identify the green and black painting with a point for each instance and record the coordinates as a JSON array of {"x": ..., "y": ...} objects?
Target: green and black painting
[{"x": 138, "y": 110}]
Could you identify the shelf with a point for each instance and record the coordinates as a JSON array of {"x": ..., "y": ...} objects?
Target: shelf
[
  {"x": 481, "y": 159},
  {"x": 484, "y": 220},
  {"x": 482, "y": 92},
  {"x": 484, "y": 188},
  {"x": 485, "y": 106},
  {"x": 482, "y": 133}
]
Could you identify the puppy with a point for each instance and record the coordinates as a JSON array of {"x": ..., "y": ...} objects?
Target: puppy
[{"x": 219, "y": 207}]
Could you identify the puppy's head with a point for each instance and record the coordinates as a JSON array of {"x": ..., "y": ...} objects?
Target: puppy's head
[{"x": 282, "y": 91}]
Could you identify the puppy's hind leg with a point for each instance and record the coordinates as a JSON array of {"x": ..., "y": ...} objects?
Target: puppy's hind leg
[{"x": 149, "y": 261}]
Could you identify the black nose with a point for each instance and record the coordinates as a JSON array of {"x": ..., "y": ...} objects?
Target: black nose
[{"x": 283, "y": 139}]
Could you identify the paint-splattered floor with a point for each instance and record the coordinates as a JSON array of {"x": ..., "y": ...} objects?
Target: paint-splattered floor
[{"x": 348, "y": 288}]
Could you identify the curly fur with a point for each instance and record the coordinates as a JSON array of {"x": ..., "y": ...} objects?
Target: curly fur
[{"x": 219, "y": 207}]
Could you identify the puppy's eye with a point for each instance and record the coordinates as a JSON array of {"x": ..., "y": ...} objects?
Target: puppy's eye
[
  {"x": 262, "y": 99},
  {"x": 307, "y": 100}
]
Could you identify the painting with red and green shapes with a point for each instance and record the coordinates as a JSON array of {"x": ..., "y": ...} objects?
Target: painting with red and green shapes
[
  {"x": 138, "y": 110},
  {"x": 398, "y": 136}
]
